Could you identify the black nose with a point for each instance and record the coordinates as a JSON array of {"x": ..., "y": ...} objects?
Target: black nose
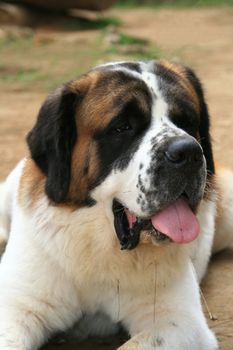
[{"x": 184, "y": 151}]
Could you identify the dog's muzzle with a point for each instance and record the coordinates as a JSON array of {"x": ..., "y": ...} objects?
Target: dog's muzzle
[{"x": 177, "y": 180}]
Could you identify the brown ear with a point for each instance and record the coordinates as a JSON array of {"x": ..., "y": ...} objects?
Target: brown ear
[
  {"x": 52, "y": 139},
  {"x": 204, "y": 132}
]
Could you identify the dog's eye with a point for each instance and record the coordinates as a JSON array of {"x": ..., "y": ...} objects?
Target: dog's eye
[{"x": 121, "y": 128}]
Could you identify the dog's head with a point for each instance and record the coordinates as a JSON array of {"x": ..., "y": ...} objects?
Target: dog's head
[{"x": 135, "y": 134}]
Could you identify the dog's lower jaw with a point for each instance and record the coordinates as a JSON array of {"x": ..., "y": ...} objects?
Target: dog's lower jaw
[{"x": 155, "y": 238}]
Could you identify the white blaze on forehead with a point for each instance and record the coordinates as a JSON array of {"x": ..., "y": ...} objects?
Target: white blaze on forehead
[
  {"x": 112, "y": 65},
  {"x": 159, "y": 105}
]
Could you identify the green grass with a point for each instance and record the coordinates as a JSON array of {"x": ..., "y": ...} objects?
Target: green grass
[
  {"x": 173, "y": 3},
  {"x": 20, "y": 75},
  {"x": 133, "y": 48},
  {"x": 125, "y": 39},
  {"x": 29, "y": 64},
  {"x": 73, "y": 23}
]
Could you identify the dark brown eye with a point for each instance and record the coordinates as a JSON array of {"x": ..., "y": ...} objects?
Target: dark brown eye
[{"x": 121, "y": 128}]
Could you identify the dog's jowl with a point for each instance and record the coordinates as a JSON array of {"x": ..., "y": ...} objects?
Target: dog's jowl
[{"x": 116, "y": 202}]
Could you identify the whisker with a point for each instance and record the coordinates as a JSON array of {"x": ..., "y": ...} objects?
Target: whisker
[{"x": 212, "y": 317}]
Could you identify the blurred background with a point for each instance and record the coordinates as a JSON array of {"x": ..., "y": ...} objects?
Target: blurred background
[{"x": 44, "y": 43}]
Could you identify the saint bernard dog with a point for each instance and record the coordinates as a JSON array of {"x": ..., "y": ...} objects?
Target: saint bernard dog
[{"x": 115, "y": 212}]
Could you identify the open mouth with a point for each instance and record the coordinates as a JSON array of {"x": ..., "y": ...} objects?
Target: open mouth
[{"x": 175, "y": 222}]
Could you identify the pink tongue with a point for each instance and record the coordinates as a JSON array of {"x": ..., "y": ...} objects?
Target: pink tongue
[{"x": 177, "y": 221}]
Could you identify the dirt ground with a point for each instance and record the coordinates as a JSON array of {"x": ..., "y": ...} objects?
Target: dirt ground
[{"x": 202, "y": 38}]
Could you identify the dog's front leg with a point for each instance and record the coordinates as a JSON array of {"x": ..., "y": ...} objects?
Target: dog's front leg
[
  {"x": 27, "y": 320},
  {"x": 37, "y": 299},
  {"x": 175, "y": 322}
]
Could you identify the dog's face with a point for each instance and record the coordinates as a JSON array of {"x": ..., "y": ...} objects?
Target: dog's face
[{"x": 136, "y": 134}]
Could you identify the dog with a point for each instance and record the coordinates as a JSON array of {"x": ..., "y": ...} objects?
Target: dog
[{"x": 116, "y": 210}]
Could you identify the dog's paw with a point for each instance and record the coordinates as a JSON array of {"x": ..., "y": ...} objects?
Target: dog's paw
[{"x": 176, "y": 341}]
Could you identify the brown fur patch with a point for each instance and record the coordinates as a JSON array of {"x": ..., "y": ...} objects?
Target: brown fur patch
[
  {"x": 84, "y": 169},
  {"x": 2, "y": 246},
  {"x": 184, "y": 81},
  {"x": 31, "y": 187}
]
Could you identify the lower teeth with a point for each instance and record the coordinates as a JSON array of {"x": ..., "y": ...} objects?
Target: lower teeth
[
  {"x": 158, "y": 235},
  {"x": 148, "y": 229}
]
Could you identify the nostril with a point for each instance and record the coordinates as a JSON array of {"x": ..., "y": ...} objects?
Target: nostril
[
  {"x": 177, "y": 156},
  {"x": 183, "y": 150}
]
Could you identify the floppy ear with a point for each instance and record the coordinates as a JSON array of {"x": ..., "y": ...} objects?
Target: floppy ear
[
  {"x": 205, "y": 138},
  {"x": 52, "y": 139}
]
